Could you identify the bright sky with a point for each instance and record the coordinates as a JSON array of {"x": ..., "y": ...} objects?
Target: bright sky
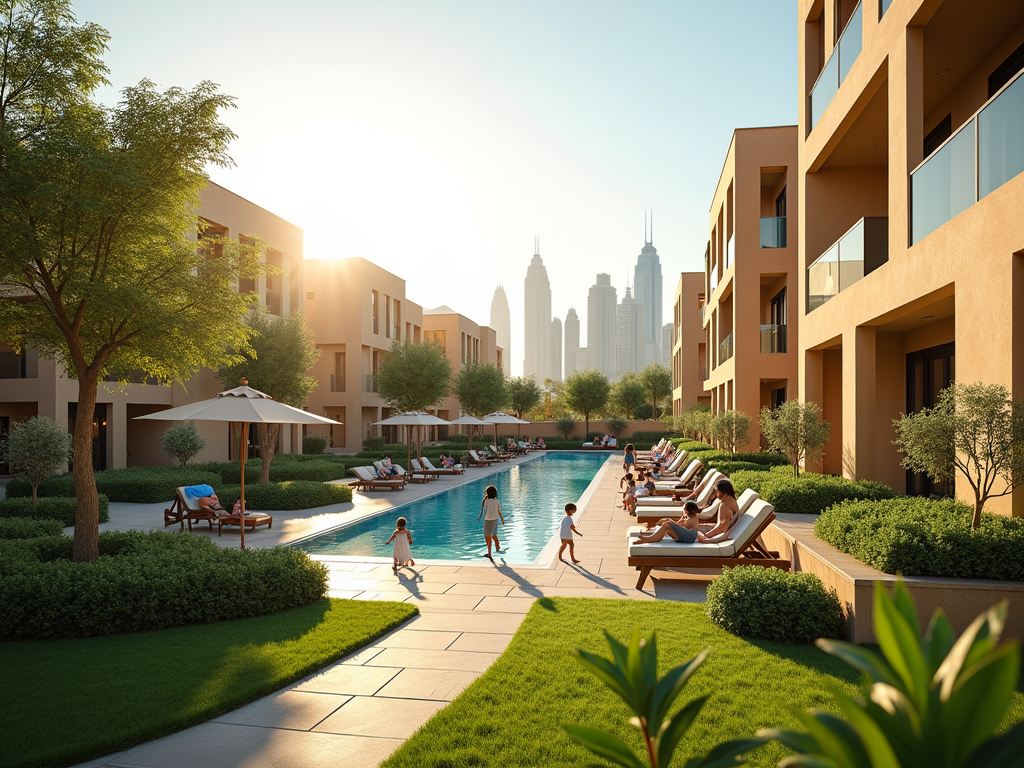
[{"x": 436, "y": 138}]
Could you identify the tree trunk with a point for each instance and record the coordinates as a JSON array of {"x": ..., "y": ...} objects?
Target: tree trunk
[
  {"x": 267, "y": 436},
  {"x": 87, "y": 516},
  {"x": 978, "y": 506},
  {"x": 586, "y": 420}
]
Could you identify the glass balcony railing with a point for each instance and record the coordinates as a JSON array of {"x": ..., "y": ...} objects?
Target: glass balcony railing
[
  {"x": 773, "y": 339},
  {"x": 985, "y": 153},
  {"x": 725, "y": 349},
  {"x": 369, "y": 383},
  {"x": 773, "y": 232},
  {"x": 838, "y": 66},
  {"x": 862, "y": 250}
]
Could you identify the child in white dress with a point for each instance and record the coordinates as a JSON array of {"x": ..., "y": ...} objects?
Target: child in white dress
[{"x": 403, "y": 540}]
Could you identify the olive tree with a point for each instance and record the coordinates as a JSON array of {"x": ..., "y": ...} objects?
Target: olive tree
[
  {"x": 797, "y": 431},
  {"x": 182, "y": 442},
  {"x": 565, "y": 426},
  {"x": 413, "y": 377},
  {"x": 975, "y": 430},
  {"x": 98, "y": 264},
  {"x": 480, "y": 389},
  {"x": 627, "y": 395},
  {"x": 36, "y": 449},
  {"x": 586, "y": 392},
  {"x": 657, "y": 383},
  {"x": 730, "y": 430},
  {"x": 523, "y": 394},
  {"x": 282, "y": 351}
]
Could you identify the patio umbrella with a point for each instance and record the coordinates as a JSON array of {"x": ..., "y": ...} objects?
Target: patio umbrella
[
  {"x": 500, "y": 417},
  {"x": 247, "y": 406},
  {"x": 472, "y": 421},
  {"x": 412, "y": 419}
]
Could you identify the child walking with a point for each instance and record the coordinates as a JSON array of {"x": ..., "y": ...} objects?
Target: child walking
[
  {"x": 403, "y": 540},
  {"x": 490, "y": 510},
  {"x": 566, "y": 533}
]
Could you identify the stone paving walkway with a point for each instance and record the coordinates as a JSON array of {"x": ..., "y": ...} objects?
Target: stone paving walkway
[{"x": 360, "y": 709}]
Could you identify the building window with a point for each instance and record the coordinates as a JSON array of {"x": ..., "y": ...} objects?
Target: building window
[
  {"x": 435, "y": 337},
  {"x": 938, "y": 134},
  {"x": 310, "y": 295},
  {"x": 338, "y": 377},
  {"x": 374, "y": 311},
  {"x": 387, "y": 316}
]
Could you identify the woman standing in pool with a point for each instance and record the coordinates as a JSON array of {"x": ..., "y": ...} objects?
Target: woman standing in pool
[{"x": 490, "y": 510}]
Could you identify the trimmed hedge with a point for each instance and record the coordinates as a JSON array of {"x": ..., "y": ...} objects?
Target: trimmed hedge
[
  {"x": 770, "y": 604},
  {"x": 314, "y": 445},
  {"x": 811, "y": 493},
  {"x": 141, "y": 485},
  {"x": 754, "y": 478},
  {"x": 60, "y": 508},
  {"x": 922, "y": 537},
  {"x": 731, "y": 467},
  {"x": 293, "y": 494},
  {"x": 29, "y": 528},
  {"x": 144, "y": 581}
]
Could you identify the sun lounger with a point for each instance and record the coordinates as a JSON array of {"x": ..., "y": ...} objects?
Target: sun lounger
[
  {"x": 184, "y": 508},
  {"x": 650, "y": 509},
  {"x": 418, "y": 470},
  {"x": 670, "y": 487},
  {"x": 742, "y": 549},
  {"x": 456, "y": 470},
  {"x": 476, "y": 460},
  {"x": 252, "y": 520},
  {"x": 367, "y": 480},
  {"x": 500, "y": 455}
]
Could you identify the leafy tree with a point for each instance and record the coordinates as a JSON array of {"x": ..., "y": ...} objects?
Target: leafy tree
[
  {"x": 586, "y": 392},
  {"x": 523, "y": 394},
  {"x": 657, "y": 383},
  {"x": 413, "y": 377},
  {"x": 182, "y": 442},
  {"x": 565, "y": 426},
  {"x": 693, "y": 422},
  {"x": 282, "y": 350},
  {"x": 37, "y": 448},
  {"x": 730, "y": 430},
  {"x": 976, "y": 430},
  {"x": 928, "y": 699},
  {"x": 616, "y": 426},
  {"x": 480, "y": 389},
  {"x": 628, "y": 394},
  {"x": 797, "y": 431},
  {"x": 97, "y": 206}
]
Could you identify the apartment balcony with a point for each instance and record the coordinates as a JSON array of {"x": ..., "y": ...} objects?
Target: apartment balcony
[
  {"x": 13, "y": 366},
  {"x": 838, "y": 65},
  {"x": 985, "y": 153},
  {"x": 338, "y": 383},
  {"x": 773, "y": 232},
  {"x": 725, "y": 349},
  {"x": 862, "y": 250},
  {"x": 369, "y": 383},
  {"x": 773, "y": 339}
]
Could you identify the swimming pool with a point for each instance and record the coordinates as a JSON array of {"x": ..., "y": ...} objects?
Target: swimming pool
[{"x": 533, "y": 496}]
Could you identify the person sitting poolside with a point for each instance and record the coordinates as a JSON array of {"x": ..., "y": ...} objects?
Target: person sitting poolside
[
  {"x": 389, "y": 469},
  {"x": 205, "y": 497},
  {"x": 540, "y": 442},
  {"x": 683, "y": 529}
]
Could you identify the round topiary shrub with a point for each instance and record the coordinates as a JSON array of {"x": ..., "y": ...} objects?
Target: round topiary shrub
[
  {"x": 770, "y": 604},
  {"x": 314, "y": 444}
]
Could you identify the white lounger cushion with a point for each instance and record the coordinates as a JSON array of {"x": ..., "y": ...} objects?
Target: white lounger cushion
[
  {"x": 741, "y": 532},
  {"x": 192, "y": 505},
  {"x": 683, "y": 479},
  {"x": 663, "y": 501}
]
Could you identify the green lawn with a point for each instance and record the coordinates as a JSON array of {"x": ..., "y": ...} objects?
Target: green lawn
[
  {"x": 512, "y": 715},
  {"x": 65, "y": 701}
]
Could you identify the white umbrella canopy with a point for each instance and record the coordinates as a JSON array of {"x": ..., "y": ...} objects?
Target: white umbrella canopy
[
  {"x": 472, "y": 421},
  {"x": 500, "y": 417},
  {"x": 412, "y": 419},
  {"x": 246, "y": 406}
]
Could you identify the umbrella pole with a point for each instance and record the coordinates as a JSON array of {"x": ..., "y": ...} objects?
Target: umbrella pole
[
  {"x": 408, "y": 449},
  {"x": 241, "y": 455}
]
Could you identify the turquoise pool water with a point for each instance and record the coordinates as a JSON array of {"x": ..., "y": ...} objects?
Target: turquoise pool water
[{"x": 533, "y": 496}]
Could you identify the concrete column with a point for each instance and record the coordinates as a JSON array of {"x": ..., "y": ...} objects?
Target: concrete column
[
  {"x": 906, "y": 130},
  {"x": 859, "y": 386},
  {"x": 117, "y": 434}
]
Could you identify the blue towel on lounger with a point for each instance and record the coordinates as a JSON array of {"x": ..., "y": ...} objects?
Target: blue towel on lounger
[{"x": 198, "y": 491}]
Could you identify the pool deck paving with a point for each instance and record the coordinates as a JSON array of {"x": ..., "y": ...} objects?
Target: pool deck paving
[{"x": 357, "y": 711}]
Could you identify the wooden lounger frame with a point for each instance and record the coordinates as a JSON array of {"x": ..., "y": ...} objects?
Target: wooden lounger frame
[
  {"x": 377, "y": 484},
  {"x": 753, "y": 553},
  {"x": 179, "y": 512}
]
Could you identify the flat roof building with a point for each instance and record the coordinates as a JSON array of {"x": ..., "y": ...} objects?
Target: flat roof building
[{"x": 689, "y": 344}]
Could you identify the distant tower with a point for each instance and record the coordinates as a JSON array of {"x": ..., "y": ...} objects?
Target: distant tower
[
  {"x": 666, "y": 346},
  {"x": 601, "y": 307},
  {"x": 630, "y": 339},
  {"x": 556, "y": 349},
  {"x": 572, "y": 343},
  {"x": 501, "y": 322},
  {"x": 537, "y": 321},
  {"x": 647, "y": 287}
]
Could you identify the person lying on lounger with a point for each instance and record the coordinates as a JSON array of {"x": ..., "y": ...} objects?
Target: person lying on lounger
[
  {"x": 205, "y": 497},
  {"x": 728, "y": 514}
]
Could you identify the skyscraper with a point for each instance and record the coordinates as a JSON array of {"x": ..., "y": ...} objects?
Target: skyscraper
[
  {"x": 556, "y": 349},
  {"x": 501, "y": 322},
  {"x": 537, "y": 320},
  {"x": 601, "y": 337},
  {"x": 666, "y": 346},
  {"x": 630, "y": 338},
  {"x": 647, "y": 286},
  {"x": 572, "y": 343}
]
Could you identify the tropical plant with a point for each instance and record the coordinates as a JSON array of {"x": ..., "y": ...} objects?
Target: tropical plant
[
  {"x": 565, "y": 426},
  {"x": 36, "y": 449},
  {"x": 413, "y": 377},
  {"x": 930, "y": 700},
  {"x": 182, "y": 442},
  {"x": 587, "y": 392},
  {"x": 730, "y": 430},
  {"x": 975, "y": 430},
  {"x": 657, "y": 383},
  {"x": 523, "y": 394},
  {"x": 616, "y": 426},
  {"x": 283, "y": 350},
  {"x": 797, "y": 431},
  {"x": 628, "y": 394},
  {"x": 632, "y": 674},
  {"x": 480, "y": 389},
  {"x": 98, "y": 261}
]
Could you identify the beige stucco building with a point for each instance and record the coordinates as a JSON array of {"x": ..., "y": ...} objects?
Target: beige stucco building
[
  {"x": 911, "y": 209},
  {"x": 355, "y": 310},
  {"x": 32, "y": 386},
  {"x": 689, "y": 344},
  {"x": 751, "y": 272}
]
